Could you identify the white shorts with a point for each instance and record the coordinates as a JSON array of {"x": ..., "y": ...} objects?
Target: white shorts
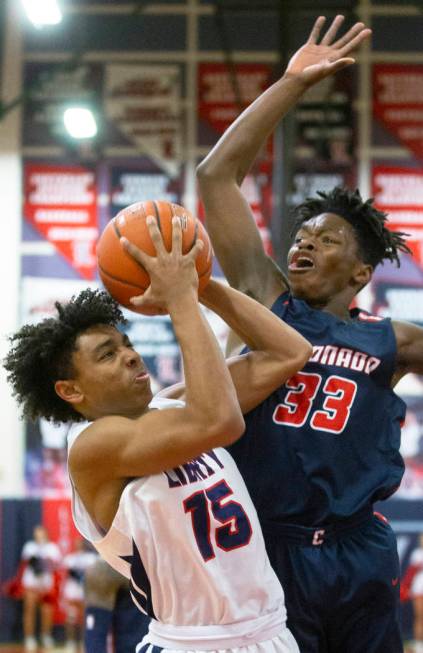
[
  {"x": 282, "y": 643},
  {"x": 40, "y": 583},
  {"x": 73, "y": 591},
  {"x": 416, "y": 588}
]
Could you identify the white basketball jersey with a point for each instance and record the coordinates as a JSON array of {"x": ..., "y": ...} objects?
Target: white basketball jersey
[{"x": 190, "y": 542}]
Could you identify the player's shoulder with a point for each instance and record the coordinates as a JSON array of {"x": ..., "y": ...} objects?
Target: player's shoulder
[{"x": 75, "y": 431}]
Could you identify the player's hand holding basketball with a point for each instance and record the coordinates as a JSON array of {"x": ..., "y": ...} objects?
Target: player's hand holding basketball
[
  {"x": 172, "y": 274},
  {"x": 314, "y": 61}
]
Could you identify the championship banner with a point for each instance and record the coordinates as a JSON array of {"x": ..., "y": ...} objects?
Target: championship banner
[
  {"x": 218, "y": 105},
  {"x": 398, "y": 102},
  {"x": 61, "y": 204},
  {"x": 399, "y": 192},
  {"x": 57, "y": 519},
  {"x": 144, "y": 104},
  {"x": 129, "y": 185},
  {"x": 324, "y": 134}
]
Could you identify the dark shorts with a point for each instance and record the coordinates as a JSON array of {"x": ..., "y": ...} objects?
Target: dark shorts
[
  {"x": 129, "y": 623},
  {"x": 342, "y": 595}
]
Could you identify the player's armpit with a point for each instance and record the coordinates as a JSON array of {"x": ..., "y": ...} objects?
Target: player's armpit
[{"x": 409, "y": 339}]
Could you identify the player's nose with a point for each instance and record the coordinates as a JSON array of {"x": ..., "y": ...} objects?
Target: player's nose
[
  {"x": 306, "y": 243},
  {"x": 132, "y": 359}
]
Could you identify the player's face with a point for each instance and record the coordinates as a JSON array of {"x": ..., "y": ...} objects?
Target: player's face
[
  {"x": 110, "y": 374},
  {"x": 323, "y": 261}
]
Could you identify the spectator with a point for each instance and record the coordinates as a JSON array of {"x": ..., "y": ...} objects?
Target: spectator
[
  {"x": 38, "y": 581},
  {"x": 76, "y": 564}
]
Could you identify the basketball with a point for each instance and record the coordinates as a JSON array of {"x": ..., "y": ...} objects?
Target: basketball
[{"x": 121, "y": 274}]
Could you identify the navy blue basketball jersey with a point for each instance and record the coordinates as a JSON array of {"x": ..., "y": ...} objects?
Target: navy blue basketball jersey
[{"x": 326, "y": 444}]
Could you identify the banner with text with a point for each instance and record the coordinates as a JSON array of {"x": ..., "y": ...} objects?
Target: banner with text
[
  {"x": 398, "y": 102},
  {"x": 144, "y": 104},
  {"x": 60, "y": 202}
]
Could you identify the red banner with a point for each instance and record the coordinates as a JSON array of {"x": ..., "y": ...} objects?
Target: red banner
[
  {"x": 398, "y": 102},
  {"x": 60, "y": 202},
  {"x": 217, "y": 101},
  {"x": 219, "y": 106},
  {"x": 57, "y": 518},
  {"x": 399, "y": 192}
]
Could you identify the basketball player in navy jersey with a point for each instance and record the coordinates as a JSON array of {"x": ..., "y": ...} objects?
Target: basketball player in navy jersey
[
  {"x": 153, "y": 489},
  {"x": 325, "y": 446}
]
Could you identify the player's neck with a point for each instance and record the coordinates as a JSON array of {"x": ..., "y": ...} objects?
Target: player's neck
[{"x": 337, "y": 306}]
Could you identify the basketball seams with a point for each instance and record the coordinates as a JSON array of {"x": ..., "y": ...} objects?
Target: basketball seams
[
  {"x": 120, "y": 280},
  {"x": 116, "y": 228},
  {"x": 133, "y": 222},
  {"x": 157, "y": 212}
]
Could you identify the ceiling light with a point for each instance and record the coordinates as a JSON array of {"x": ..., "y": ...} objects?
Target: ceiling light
[
  {"x": 42, "y": 12},
  {"x": 80, "y": 122}
]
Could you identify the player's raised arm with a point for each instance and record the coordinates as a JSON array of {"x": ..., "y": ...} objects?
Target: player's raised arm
[
  {"x": 277, "y": 351},
  {"x": 230, "y": 223}
]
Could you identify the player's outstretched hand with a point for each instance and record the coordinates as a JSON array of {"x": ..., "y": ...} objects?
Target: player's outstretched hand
[
  {"x": 314, "y": 61},
  {"x": 172, "y": 274}
]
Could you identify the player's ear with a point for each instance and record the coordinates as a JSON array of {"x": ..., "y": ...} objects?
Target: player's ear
[
  {"x": 362, "y": 274},
  {"x": 69, "y": 391}
]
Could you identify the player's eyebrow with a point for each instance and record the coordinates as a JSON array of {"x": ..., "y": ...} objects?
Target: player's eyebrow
[
  {"x": 109, "y": 342},
  {"x": 320, "y": 230}
]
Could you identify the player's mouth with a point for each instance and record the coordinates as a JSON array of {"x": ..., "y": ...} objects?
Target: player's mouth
[
  {"x": 141, "y": 377},
  {"x": 301, "y": 263}
]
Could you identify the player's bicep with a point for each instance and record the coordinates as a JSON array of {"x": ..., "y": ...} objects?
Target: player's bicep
[
  {"x": 237, "y": 242},
  {"x": 120, "y": 448}
]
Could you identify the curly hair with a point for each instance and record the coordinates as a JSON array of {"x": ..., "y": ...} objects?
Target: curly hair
[
  {"x": 375, "y": 241},
  {"x": 41, "y": 354}
]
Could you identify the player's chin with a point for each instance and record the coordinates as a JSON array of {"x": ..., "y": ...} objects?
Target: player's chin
[{"x": 303, "y": 284}]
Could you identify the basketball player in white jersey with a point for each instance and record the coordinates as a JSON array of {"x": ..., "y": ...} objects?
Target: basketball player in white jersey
[{"x": 154, "y": 489}]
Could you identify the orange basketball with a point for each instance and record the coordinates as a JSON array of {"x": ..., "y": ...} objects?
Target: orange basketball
[{"x": 121, "y": 274}]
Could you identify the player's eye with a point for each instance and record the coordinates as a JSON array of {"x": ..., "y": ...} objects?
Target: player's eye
[{"x": 107, "y": 354}]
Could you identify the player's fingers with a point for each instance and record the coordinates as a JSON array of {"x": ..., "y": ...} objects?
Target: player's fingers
[
  {"x": 339, "y": 64},
  {"x": 155, "y": 235},
  {"x": 176, "y": 235},
  {"x": 195, "y": 249},
  {"x": 355, "y": 42},
  {"x": 141, "y": 257},
  {"x": 141, "y": 300},
  {"x": 331, "y": 33},
  {"x": 355, "y": 30},
  {"x": 315, "y": 31}
]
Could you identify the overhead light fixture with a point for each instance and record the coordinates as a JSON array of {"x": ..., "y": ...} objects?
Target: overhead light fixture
[
  {"x": 80, "y": 122},
  {"x": 42, "y": 12}
]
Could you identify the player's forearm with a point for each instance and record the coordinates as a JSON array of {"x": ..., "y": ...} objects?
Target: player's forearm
[
  {"x": 209, "y": 388},
  {"x": 236, "y": 150},
  {"x": 258, "y": 327}
]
